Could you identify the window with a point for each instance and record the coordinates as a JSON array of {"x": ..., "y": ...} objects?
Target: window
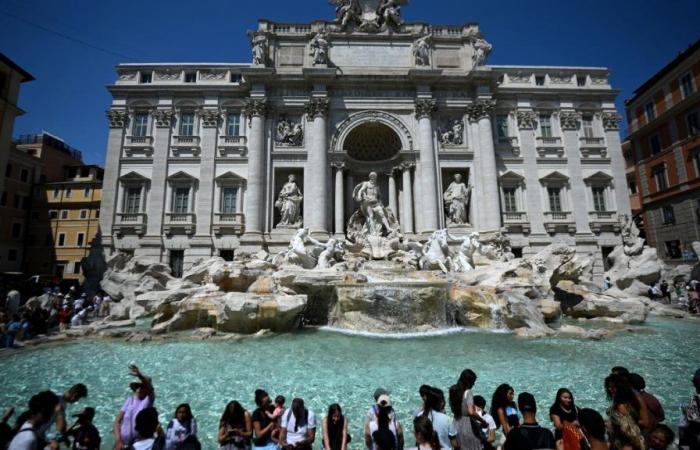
[
  {"x": 12, "y": 255},
  {"x": 97, "y": 214},
  {"x": 229, "y": 195},
  {"x": 16, "y": 230},
  {"x": 177, "y": 259},
  {"x": 56, "y": 192},
  {"x": 233, "y": 124},
  {"x": 539, "y": 80},
  {"x": 696, "y": 161},
  {"x": 25, "y": 202},
  {"x": 687, "y": 87},
  {"x": 655, "y": 144},
  {"x": 76, "y": 267},
  {"x": 673, "y": 249},
  {"x": 187, "y": 124},
  {"x": 132, "y": 200},
  {"x": 650, "y": 111},
  {"x": 83, "y": 214},
  {"x": 8, "y": 170},
  {"x": 181, "y": 198},
  {"x": 587, "y": 121},
  {"x": 53, "y": 214},
  {"x": 669, "y": 217},
  {"x": 3, "y": 198},
  {"x": 61, "y": 239},
  {"x": 80, "y": 240},
  {"x": 554, "y": 194},
  {"x": 24, "y": 175},
  {"x": 236, "y": 78},
  {"x": 502, "y": 128},
  {"x": 190, "y": 77},
  {"x": 509, "y": 200},
  {"x": 581, "y": 80},
  {"x": 69, "y": 192},
  {"x": 659, "y": 173},
  {"x": 693, "y": 123},
  {"x": 545, "y": 125},
  {"x": 599, "y": 199},
  {"x": 632, "y": 187},
  {"x": 145, "y": 78},
  {"x": 64, "y": 214},
  {"x": 18, "y": 201},
  {"x": 140, "y": 125},
  {"x": 86, "y": 192}
]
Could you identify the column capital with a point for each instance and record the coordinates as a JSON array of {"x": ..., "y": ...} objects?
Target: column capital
[
  {"x": 611, "y": 120},
  {"x": 480, "y": 109},
  {"x": 406, "y": 165},
  {"x": 317, "y": 107},
  {"x": 117, "y": 118},
  {"x": 210, "y": 117},
  {"x": 339, "y": 165},
  {"x": 256, "y": 107},
  {"x": 569, "y": 120},
  {"x": 527, "y": 120},
  {"x": 425, "y": 107},
  {"x": 163, "y": 117}
]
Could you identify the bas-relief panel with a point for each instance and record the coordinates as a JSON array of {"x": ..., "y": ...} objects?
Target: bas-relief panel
[{"x": 371, "y": 55}]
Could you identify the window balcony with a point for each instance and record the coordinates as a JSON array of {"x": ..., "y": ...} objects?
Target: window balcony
[
  {"x": 229, "y": 223},
  {"x": 550, "y": 147},
  {"x": 186, "y": 146},
  {"x": 139, "y": 141},
  {"x": 600, "y": 220},
  {"x": 549, "y": 141},
  {"x": 593, "y": 146},
  {"x": 184, "y": 223},
  {"x": 516, "y": 221},
  {"x": 232, "y": 145},
  {"x": 130, "y": 223},
  {"x": 557, "y": 220}
]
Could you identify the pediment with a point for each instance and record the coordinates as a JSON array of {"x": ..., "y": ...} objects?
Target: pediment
[
  {"x": 598, "y": 176},
  {"x": 555, "y": 177},
  {"x": 133, "y": 176},
  {"x": 512, "y": 177},
  {"x": 230, "y": 177},
  {"x": 181, "y": 176}
]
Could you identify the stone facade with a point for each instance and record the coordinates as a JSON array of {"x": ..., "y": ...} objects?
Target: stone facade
[{"x": 197, "y": 153}]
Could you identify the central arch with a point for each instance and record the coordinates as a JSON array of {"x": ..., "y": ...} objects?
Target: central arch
[
  {"x": 372, "y": 142},
  {"x": 354, "y": 126}
]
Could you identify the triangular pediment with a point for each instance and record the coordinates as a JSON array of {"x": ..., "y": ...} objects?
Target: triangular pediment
[
  {"x": 133, "y": 176},
  {"x": 555, "y": 177},
  {"x": 230, "y": 176},
  {"x": 181, "y": 176},
  {"x": 512, "y": 177},
  {"x": 599, "y": 177}
]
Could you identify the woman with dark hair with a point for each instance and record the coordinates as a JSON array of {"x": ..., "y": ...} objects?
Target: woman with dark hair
[
  {"x": 563, "y": 412},
  {"x": 335, "y": 429},
  {"x": 444, "y": 427},
  {"x": 468, "y": 434},
  {"x": 593, "y": 429},
  {"x": 263, "y": 426},
  {"x": 298, "y": 427},
  {"x": 385, "y": 423},
  {"x": 504, "y": 409},
  {"x": 235, "y": 428},
  {"x": 426, "y": 437},
  {"x": 182, "y": 429},
  {"x": 623, "y": 414}
]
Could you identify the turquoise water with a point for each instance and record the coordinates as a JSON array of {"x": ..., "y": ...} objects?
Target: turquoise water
[{"x": 325, "y": 367}]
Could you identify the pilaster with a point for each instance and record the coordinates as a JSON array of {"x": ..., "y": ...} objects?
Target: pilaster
[
  {"x": 425, "y": 107},
  {"x": 316, "y": 180},
  {"x": 255, "y": 111},
  {"x": 118, "y": 121},
  {"x": 205, "y": 196},
  {"x": 157, "y": 203}
]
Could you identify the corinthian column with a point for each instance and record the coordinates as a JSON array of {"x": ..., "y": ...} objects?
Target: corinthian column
[
  {"x": 393, "y": 198},
  {"x": 316, "y": 173},
  {"x": 428, "y": 166},
  {"x": 407, "y": 197},
  {"x": 118, "y": 121},
  {"x": 339, "y": 199},
  {"x": 255, "y": 111},
  {"x": 490, "y": 209}
]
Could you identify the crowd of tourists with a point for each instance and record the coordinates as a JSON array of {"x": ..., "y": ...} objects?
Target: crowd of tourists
[
  {"x": 460, "y": 420},
  {"x": 687, "y": 295},
  {"x": 22, "y": 318}
]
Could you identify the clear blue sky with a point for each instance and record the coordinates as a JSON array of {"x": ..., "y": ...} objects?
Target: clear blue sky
[{"x": 633, "y": 38}]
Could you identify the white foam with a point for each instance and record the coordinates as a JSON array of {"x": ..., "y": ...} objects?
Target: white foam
[{"x": 413, "y": 334}]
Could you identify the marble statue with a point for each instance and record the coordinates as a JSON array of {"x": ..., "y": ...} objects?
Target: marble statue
[
  {"x": 289, "y": 204},
  {"x": 464, "y": 260},
  {"x": 297, "y": 254},
  {"x": 319, "y": 48},
  {"x": 421, "y": 50},
  {"x": 389, "y": 12},
  {"x": 330, "y": 254},
  {"x": 368, "y": 195},
  {"x": 481, "y": 52},
  {"x": 347, "y": 12},
  {"x": 457, "y": 198},
  {"x": 632, "y": 243},
  {"x": 289, "y": 133},
  {"x": 258, "y": 44},
  {"x": 452, "y": 134},
  {"x": 435, "y": 253}
]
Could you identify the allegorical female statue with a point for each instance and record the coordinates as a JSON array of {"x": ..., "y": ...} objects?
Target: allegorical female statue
[
  {"x": 457, "y": 197},
  {"x": 289, "y": 204}
]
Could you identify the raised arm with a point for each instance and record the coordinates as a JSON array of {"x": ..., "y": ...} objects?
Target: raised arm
[{"x": 146, "y": 382}]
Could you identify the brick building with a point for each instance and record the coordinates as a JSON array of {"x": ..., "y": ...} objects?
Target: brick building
[{"x": 664, "y": 126}]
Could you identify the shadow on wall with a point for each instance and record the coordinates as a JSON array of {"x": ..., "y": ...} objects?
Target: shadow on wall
[{"x": 94, "y": 266}]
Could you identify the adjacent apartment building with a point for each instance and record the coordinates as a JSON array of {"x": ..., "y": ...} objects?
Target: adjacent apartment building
[{"x": 664, "y": 127}]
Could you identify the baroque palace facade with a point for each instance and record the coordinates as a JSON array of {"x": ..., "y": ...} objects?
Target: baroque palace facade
[{"x": 210, "y": 159}]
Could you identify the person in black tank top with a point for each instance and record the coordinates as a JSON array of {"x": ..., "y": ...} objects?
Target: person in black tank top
[
  {"x": 563, "y": 410},
  {"x": 335, "y": 429}
]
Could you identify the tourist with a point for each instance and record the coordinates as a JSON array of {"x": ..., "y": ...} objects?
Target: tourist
[
  {"x": 13, "y": 302},
  {"x": 235, "y": 428},
  {"x": 503, "y": 408},
  {"x": 105, "y": 306},
  {"x": 490, "y": 430},
  {"x": 694, "y": 297},
  {"x": 143, "y": 397},
  {"x": 64, "y": 318},
  {"x": 146, "y": 426},
  {"x": 276, "y": 414},
  {"x": 335, "y": 429},
  {"x": 182, "y": 430},
  {"x": 374, "y": 410},
  {"x": 41, "y": 410},
  {"x": 72, "y": 395},
  {"x": 263, "y": 427},
  {"x": 623, "y": 414},
  {"x": 13, "y": 327},
  {"x": 376, "y": 436},
  {"x": 384, "y": 439},
  {"x": 661, "y": 437},
  {"x": 467, "y": 422},
  {"x": 564, "y": 414},
  {"x": 426, "y": 437},
  {"x": 6, "y": 434},
  {"x": 593, "y": 429},
  {"x": 85, "y": 435},
  {"x": 534, "y": 434},
  {"x": 652, "y": 404},
  {"x": 79, "y": 318},
  {"x": 298, "y": 427},
  {"x": 691, "y": 413},
  {"x": 607, "y": 283},
  {"x": 441, "y": 423},
  {"x": 665, "y": 291}
]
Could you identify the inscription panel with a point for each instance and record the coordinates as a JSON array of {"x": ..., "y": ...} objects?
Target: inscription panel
[
  {"x": 291, "y": 56},
  {"x": 371, "y": 55},
  {"x": 447, "y": 58}
]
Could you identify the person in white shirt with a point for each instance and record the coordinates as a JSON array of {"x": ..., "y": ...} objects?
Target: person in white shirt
[
  {"x": 146, "y": 425},
  {"x": 41, "y": 409},
  {"x": 490, "y": 431},
  {"x": 298, "y": 427},
  {"x": 104, "y": 308}
]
